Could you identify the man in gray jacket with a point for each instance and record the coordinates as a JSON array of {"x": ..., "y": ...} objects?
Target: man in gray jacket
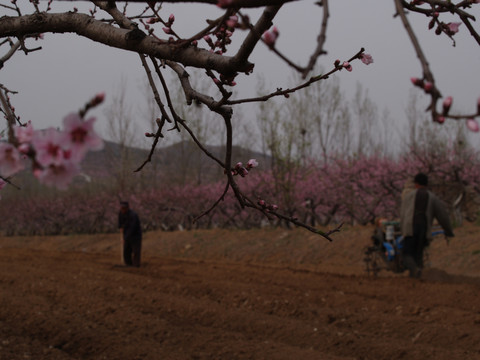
[{"x": 419, "y": 207}]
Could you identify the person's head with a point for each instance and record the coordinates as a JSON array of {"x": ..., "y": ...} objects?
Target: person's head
[
  {"x": 124, "y": 206},
  {"x": 420, "y": 180}
]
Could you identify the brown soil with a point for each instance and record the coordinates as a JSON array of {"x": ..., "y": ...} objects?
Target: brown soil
[{"x": 258, "y": 294}]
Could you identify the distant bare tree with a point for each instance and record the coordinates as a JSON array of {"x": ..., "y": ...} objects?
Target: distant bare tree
[{"x": 121, "y": 130}]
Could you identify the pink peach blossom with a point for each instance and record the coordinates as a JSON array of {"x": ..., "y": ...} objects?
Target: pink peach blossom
[
  {"x": 366, "y": 59},
  {"x": 49, "y": 146},
  {"x": 24, "y": 148},
  {"x": 80, "y": 136},
  {"x": 232, "y": 21},
  {"x": 24, "y": 134},
  {"x": 252, "y": 163},
  {"x": 10, "y": 160},
  {"x": 453, "y": 27},
  {"x": 59, "y": 176}
]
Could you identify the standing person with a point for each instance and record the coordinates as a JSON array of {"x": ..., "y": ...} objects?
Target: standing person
[
  {"x": 419, "y": 207},
  {"x": 129, "y": 225}
]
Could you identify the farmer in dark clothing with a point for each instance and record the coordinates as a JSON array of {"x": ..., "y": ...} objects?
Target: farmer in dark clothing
[
  {"x": 129, "y": 225},
  {"x": 419, "y": 208}
]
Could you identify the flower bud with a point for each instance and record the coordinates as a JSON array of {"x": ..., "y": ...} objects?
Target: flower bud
[
  {"x": 472, "y": 125},
  {"x": 98, "y": 99},
  {"x": 428, "y": 87},
  {"x": 270, "y": 37},
  {"x": 243, "y": 172},
  {"x": 347, "y": 66},
  {"x": 417, "y": 82},
  {"x": 447, "y": 103}
]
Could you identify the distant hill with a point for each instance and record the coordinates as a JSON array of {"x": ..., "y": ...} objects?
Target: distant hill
[
  {"x": 179, "y": 163},
  {"x": 182, "y": 161}
]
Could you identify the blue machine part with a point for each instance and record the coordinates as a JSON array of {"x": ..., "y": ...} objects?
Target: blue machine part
[
  {"x": 389, "y": 251},
  {"x": 399, "y": 242}
]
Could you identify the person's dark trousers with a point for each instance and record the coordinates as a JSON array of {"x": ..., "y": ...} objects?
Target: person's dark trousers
[
  {"x": 413, "y": 247},
  {"x": 409, "y": 255},
  {"x": 419, "y": 233},
  {"x": 131, "y": 253}
]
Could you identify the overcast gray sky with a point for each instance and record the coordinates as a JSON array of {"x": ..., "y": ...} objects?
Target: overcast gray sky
[{"x": 70, "y": 70}]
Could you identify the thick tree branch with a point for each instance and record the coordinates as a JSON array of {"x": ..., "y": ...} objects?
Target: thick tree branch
[
  {"x": 230, "y": 4},
  {"x": 106, "y": 34}
]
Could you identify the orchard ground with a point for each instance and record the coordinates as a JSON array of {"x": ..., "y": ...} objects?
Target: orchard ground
[{"x": 218, "y": 294}]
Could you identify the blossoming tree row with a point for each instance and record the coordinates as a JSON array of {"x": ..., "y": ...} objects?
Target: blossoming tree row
[{"x": 352, "y": 191}]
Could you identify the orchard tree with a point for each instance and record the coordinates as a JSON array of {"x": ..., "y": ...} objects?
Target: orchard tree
[{"x": 153, "y": 35}]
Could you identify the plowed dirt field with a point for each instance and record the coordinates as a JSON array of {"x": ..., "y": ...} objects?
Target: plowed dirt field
[{"x": 216, "y": 294}]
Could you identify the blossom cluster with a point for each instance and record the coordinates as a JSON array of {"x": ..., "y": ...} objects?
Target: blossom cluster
[
  {"x": 222, "y": 35},
  {"x": 428, "y": 88},
  {"x": 367, "y": 59},
  {"x": 168, "y": 26},
  {"x": 243, "y": 170},
  {"x": 218, "y": 45},
  {"x": 55, "y": 154},
  {"x": 266, "y": 206}
]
